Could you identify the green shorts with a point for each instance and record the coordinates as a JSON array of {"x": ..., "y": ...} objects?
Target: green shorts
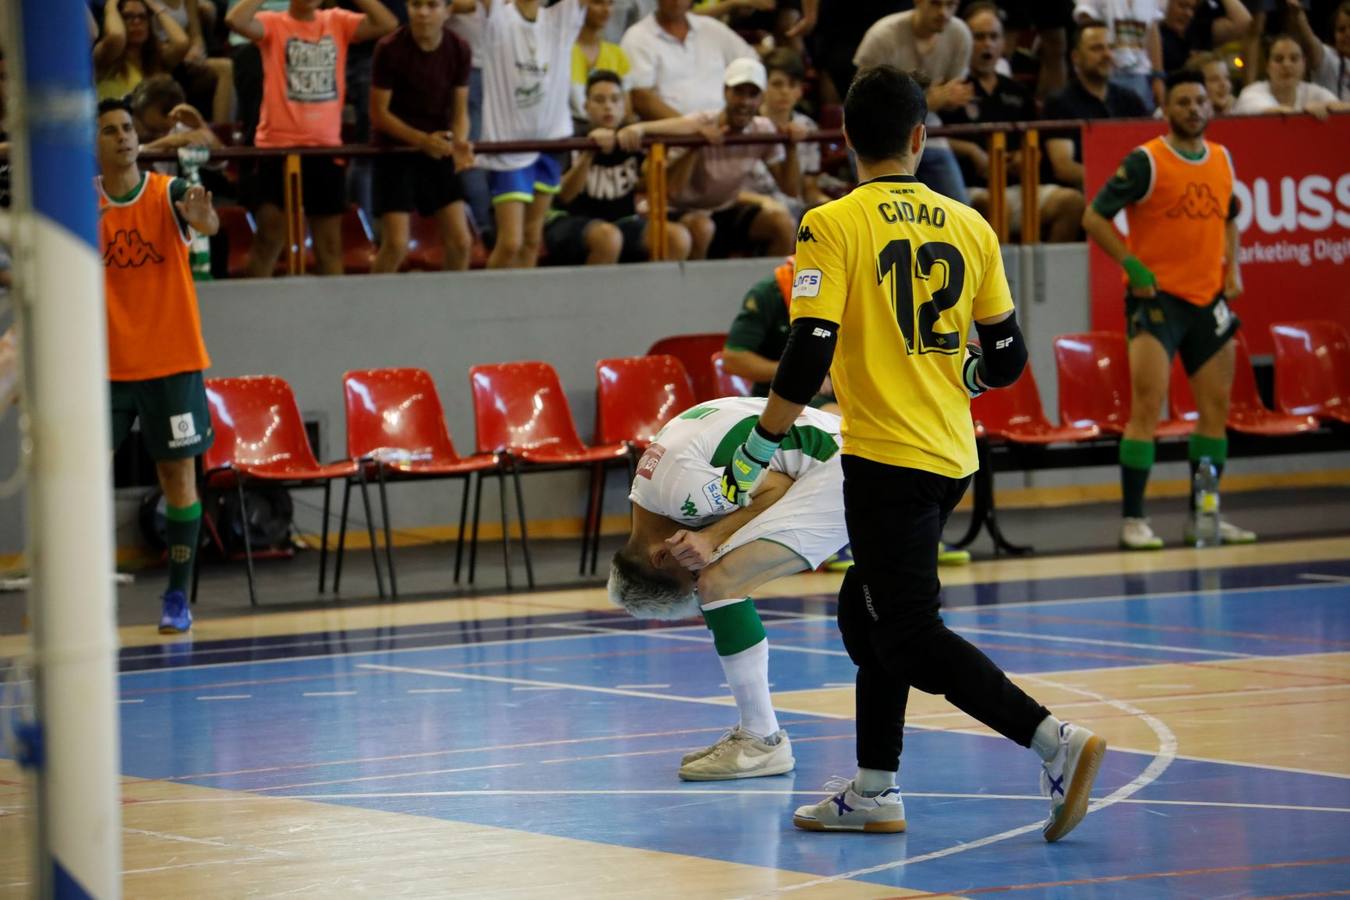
[
  {"x": 175, "y": 420},
  {"x": 1196, "y": 332}
]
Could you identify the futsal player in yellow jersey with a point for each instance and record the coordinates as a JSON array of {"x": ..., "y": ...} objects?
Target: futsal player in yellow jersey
[{"x": 894, "y": 274}]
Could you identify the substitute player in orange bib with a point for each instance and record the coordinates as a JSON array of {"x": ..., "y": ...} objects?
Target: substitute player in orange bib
[
  {"x": 155, "y": 350},
  {"x": 1181, "y": 271}
]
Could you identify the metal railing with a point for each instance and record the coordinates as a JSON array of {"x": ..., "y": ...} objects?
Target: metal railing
[{"x": 658, "y": 198}]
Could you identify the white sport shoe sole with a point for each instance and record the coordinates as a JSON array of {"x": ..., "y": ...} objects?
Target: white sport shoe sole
[
  {"x": 892, "y": 826},
  {"x": 888, "y": 818},
  {"x": 1075, "y": 804}
]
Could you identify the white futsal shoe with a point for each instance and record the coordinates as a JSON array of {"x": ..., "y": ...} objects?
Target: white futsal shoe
[
  {"x": 1066, "y": 779},
  {"x": 847, "y": 810},
  {"x": 739, "y": 754},
  {"x": 1136, "y": 534}
]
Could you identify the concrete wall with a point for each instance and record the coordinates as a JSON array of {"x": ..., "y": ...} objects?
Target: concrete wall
[{"x": 311, "y": 330}]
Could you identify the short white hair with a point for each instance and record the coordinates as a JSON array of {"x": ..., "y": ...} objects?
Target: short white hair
[{"x": 648, "y": 593}]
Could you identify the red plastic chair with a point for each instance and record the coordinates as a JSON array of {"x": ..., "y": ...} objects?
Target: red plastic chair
[
  {"x": 1015, "y": 413},
  {"x": 1094, "y": 383},
  {"x": 637, "y": 395},
  {"x": 396, "y": 431},
  {"x": 1246, "y": 413},
  {"x": 695, "y": 351},
  {"x": 729, "y": 385},
  {"x": 236, "y": 223},
  {"x": 520, "y": 411},
  {"x": 1312, "y": 369},
  {"x": 260, "y": 439}
]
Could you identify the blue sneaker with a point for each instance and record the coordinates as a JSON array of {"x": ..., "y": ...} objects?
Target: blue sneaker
[
  {"x": 175, "y": 617},
  {"x": 840, "y": 562}
]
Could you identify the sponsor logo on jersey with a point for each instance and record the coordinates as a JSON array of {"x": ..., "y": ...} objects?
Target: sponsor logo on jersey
[
  {"x": 807, "y": 283},
  {"x": 687, "y": 508},
  {"x": 716, "y": 499},
  {"x": 804, "y": 235},
  {"x": 1198, "y": 202},
  {"x": 128, "y": 250},
  {"x": 650, "y": 459}
]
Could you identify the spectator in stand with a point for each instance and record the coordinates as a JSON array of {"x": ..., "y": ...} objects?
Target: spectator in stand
[
  {"x": 527, "y": 51},
  {"x": 592, "y": 52},
  {"x": 1132, "y": 30},
  {"x": 1218, "y": 81},
  {"x": 1197, "y": 26},
  {"x": 164, "y": 120},
  {"x": 625, "y": 15},
  {"x": 304, "y": 57},
  {"x": 599, "y": 221},
  {"x": 838, "y": 28},
  {"x": 1285, "y": 91},
  {"x": 246, "y": 64},
  {"x": 1050, "y": 21},
  {"x": 931, "y": 41},
  {"x": 998, "y": 98},
  {"x": 786, "y": 74},
  {"x": 128, "y": 51},
  {"x": 676, "y": 59},
  {"x": 1330, "y": 65},
  {"x": 1090, "y": 95},
  {"x": 419, "y": 97},
  {"x": 707, "y": 182},
  {"x": 467, "y": 22}
]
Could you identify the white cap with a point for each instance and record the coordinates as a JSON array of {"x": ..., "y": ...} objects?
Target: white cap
[{"x": 746, "y": 71}]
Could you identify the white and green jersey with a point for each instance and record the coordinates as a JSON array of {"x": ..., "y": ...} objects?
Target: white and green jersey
[{"x": 680, "y": 475}]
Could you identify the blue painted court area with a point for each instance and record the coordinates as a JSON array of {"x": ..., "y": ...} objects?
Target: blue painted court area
[{"x": 573, "y": 726}]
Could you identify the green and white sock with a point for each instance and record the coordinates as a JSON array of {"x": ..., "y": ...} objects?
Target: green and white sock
[
  {"x": 183, "y": 527},
  {"x": 743, "y": 649}
]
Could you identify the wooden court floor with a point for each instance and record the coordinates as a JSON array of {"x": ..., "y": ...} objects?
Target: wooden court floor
[{"x": 526, "y": 745}]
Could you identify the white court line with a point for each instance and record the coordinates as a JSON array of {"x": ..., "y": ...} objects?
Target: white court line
[
  {"x": 1167, "y": 749},
  {"x": 968, "y": 629},
  {"x": 640, "y": 687},
  {"x": 130, "y": 701},
  {"x": 665, "y": 634},
  {"x": 909, "y": 795},
  {"x": 329, "y": 694},
  {"x": 226, "y": 697},
  {"x": 435, "y": 690},
  {"x": 1331, "y": 579}
]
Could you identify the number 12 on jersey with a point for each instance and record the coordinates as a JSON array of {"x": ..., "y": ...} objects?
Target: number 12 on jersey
[{"x": 904, "y": 265}]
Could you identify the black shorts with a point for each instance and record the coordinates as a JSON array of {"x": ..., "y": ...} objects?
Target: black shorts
[
  {"x": 565, "y": 238},
  {"x": 404, "y": 182},
  {"x": 175, "y": 418},
  {"x": 323, "y": 182},
  {"x": 1196, "y": 332},
  {"x": 1038, "y": 14},
  {"x": 733, "y": 229}
]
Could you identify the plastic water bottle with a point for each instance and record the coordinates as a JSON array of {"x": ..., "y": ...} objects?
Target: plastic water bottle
[{"x": 1206, "y": 487}]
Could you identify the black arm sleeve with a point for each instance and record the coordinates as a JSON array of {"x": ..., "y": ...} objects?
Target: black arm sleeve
[
  {"x": 1005, "y": 352},
  {"x": 806, "y": 360}
]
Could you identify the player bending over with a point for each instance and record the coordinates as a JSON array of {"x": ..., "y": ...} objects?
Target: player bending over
[{"x": 693, "y": 551}]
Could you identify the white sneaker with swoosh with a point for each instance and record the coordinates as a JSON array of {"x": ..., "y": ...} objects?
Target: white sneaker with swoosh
[{"x": 741, "y": 755}]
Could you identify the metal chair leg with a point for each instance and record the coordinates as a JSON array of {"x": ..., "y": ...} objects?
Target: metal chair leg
[
  {"x": 323, "y": 538},
  {"x": 342, "y": 536},
  {"x": 388, "y": 533},
  {"x": 370, "y": 532},
  {"x": 463, "y": 518},
  {"x": 506, "y": 525},
  {"x": 599, "y": 518},
  {"x": 587, "y": 521},
  {"x": 248, "y": 542},
  {"x": 473, "y": 541},
  {"x": 524, "y": 534}
]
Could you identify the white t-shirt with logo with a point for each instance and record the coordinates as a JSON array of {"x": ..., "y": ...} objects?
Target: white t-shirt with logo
[
  {"x": 527, "y": 77},
  {"x": 680, "y": 475}
]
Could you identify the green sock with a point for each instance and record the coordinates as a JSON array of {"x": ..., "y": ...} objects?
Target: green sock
[
  {"x": 184, "y": 526},
  {"x": 734, "y": 624},
  {"x": 1201, "y": 446},
  {"x": 1136, "y": 459}
]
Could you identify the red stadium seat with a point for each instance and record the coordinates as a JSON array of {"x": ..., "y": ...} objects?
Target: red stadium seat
[
  {"x": 520, "y": 411},
  {"x": 396, "y": 430},
  {"x": 637, "y": 395},
  {"x": 1015, "y": 413},
  {"x": 1312, "y": 369},
  {"x": 236, "y": 223},
  {"x": 1246, "y": 412},
  {"x": 695, "y": 351},
  {"x": 729, "y": 385},
  {"x": 1094, "y": 383},
  {"x": 260, "y": 439}
]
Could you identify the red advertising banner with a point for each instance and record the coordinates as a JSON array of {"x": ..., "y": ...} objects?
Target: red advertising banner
[{"x": 1293, "y": 186}]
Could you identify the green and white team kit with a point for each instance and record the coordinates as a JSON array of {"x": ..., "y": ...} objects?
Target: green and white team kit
[{"x": 680, "y": 477}]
